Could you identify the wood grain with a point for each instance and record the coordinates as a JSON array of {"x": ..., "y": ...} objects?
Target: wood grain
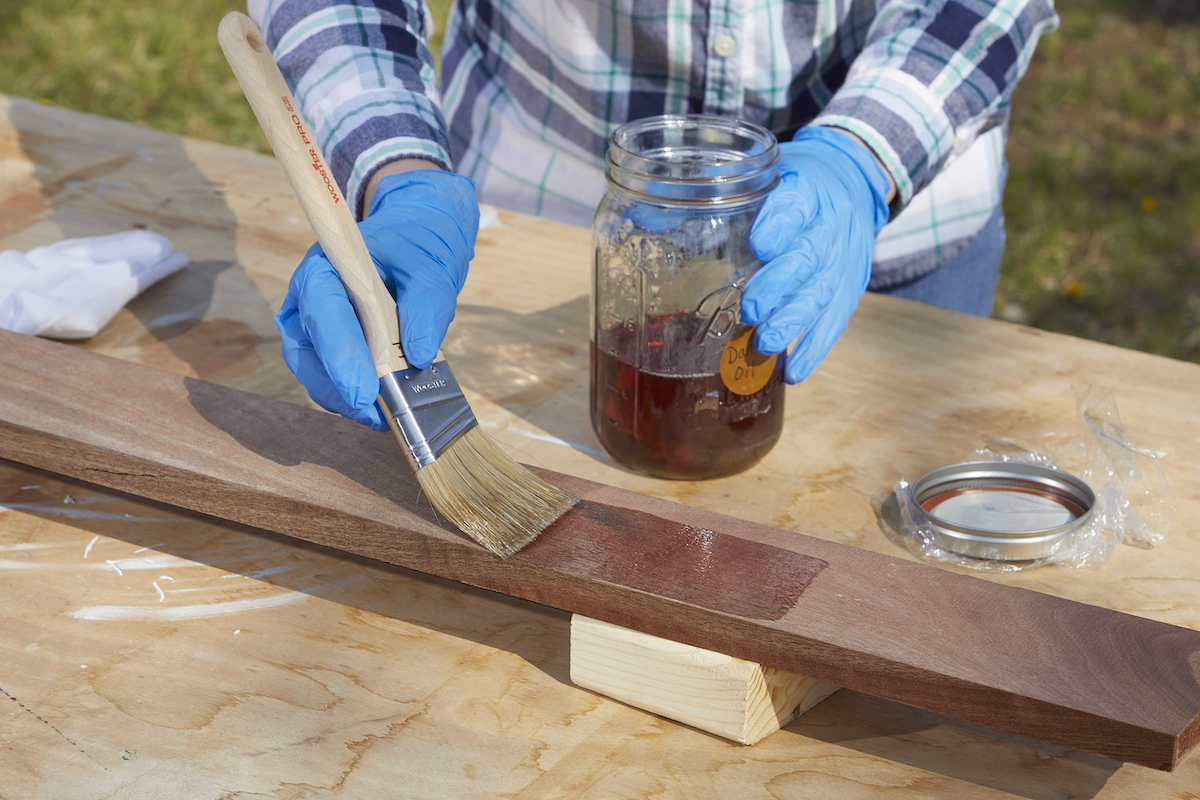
[
  {"x": 730, "y": 697},
  {"x": 1024, "y": 662}
]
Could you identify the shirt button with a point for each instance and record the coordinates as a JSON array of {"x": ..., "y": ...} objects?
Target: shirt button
[{"x": 725, "y": 45}]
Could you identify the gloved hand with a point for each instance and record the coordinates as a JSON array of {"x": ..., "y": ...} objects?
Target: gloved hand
[
  {"x": 815, "y": 235},
  {"x": 420, "y": 231}
]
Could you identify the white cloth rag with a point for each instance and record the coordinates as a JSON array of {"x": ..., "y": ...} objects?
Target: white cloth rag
[{"x": 71, "y": 289}]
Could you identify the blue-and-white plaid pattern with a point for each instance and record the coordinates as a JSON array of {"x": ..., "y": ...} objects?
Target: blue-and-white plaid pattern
[{"x": 530, "y": 91}]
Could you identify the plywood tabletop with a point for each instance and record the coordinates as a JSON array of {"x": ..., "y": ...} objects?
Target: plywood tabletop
[{"x": 149, "y": 652}]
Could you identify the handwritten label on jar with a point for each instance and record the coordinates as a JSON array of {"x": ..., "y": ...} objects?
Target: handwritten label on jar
[{"x": 744, "y": 370}]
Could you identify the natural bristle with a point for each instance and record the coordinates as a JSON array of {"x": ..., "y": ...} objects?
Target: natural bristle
[{"x": 490, "y": 497}]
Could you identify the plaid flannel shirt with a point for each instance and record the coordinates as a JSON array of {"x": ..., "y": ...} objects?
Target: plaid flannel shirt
[{"x": 531, "y": 90}]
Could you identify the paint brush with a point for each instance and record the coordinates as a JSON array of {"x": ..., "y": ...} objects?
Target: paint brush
[{"x": 465, "y": 475}]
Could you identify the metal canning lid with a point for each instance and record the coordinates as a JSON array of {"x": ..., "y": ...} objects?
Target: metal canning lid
[{"x": 1003, "y": 511}]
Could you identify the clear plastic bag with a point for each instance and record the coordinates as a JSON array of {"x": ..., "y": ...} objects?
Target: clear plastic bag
[{"x": 1133, "y": 504}]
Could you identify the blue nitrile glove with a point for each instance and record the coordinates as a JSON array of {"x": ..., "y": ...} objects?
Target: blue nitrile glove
[
  {"x": 815, "y": 235},
  {"x": 420, "y": 231}
]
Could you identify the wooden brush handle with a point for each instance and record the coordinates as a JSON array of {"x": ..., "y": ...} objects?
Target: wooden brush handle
[{"x": 329, "y": 215}]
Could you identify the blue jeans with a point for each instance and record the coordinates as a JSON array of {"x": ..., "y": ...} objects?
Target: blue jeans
[{"x": 968, "y": 282}]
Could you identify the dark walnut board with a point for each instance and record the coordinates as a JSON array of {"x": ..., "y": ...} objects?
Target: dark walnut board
[{"x": 1020, "y": 661}]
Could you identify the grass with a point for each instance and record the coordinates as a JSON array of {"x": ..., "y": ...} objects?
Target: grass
[
  {"x": 157, "y": 63},
  {"x": 1103, "y": 201}
]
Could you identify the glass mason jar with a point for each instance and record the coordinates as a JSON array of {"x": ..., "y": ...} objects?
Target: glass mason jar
[{"x": 677, "y": 390}]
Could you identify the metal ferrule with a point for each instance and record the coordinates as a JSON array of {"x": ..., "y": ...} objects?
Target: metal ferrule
[{"x": 426, "y": 410}]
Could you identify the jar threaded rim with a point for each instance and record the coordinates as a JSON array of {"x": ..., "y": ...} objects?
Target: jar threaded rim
[{"x": 693, "y": 158}]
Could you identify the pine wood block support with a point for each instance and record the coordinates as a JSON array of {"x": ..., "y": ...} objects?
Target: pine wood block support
[
  {"x": 1028, "y": 663},
  {"x": 730, "y": 697}
]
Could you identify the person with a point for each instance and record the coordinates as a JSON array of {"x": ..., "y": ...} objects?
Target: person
[{"x": 892, "y": 117}]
